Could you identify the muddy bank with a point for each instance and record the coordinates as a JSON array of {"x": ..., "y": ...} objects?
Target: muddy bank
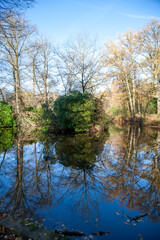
[{"x": 23, "y": 231}]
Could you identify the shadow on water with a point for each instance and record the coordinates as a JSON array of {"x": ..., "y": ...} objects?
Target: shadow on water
[{"x": 80, "y": 172}]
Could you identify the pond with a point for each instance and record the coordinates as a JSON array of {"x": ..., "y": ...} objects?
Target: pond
[{"x": 106, "y": 186}]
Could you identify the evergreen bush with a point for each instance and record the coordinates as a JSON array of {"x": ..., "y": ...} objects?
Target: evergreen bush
[
  {"x": 76, "y": 112},
  {"x": 6, "y": 117}
]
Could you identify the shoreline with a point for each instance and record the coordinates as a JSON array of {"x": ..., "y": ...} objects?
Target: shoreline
[
  {"x": 22, "y": 231},
  {"x": 151, "y": 121}
]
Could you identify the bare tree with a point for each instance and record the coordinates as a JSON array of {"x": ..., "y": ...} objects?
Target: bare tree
[
  {"x": 9, "y": 7},
  {"x": 65, "y": 65},
  {"x": 42, "y": 65},
  {"x": 150, "y": 46},
  {"x": 13, "y": 46},
  {"x": 6, "y": 5},
  {"x": 121, "y": 61},
  {"x": 33, "y": 63},
  {"x": 79, "y": 65}
]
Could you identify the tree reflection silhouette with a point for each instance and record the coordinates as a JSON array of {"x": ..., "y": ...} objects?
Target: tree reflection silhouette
[
  {"x": 134, "y": 173},
  {"x": 31, "y": 184},
  {"x": 83, "y": 169},
  {"x": 81, "y": 183}
]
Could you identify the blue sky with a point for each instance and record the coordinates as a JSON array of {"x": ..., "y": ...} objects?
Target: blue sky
[{"x": 105, "y": 19}]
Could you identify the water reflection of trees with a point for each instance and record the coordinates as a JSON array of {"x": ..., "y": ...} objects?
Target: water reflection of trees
[
  {"x": 41, "y": 180},
  {"x": 134, "y": 171},
  {"x": 32, "y": 183},
  {"x": 125, "y": 165},
  {"x": 81, "y": 183},
  {"x": 6, "y": 142}
]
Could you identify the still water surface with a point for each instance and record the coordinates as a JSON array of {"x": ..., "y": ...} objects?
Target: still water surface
[{"x": 108, "y": 183}]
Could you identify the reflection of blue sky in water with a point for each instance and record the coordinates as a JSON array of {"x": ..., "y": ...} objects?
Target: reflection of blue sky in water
[{"x": 90, "y": 200}]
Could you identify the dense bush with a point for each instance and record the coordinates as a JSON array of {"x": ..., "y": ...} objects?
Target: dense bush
[
  {"x": 44, "y": 117},
  {"x": 6, "y": 118},
  {"x": 6, "y": 139},
  {"x": 117, "y": 111},
  {"x": 152, "y": 106},
  {"x": 76, "y": 112}
]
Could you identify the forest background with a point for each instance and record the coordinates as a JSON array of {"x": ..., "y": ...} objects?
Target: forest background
[{"x": 124, "y": 75}]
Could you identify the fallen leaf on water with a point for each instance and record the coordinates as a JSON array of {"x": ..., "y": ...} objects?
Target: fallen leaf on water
[
  {"x": 126, "y": 223},
  {"x": 117, "y": 213}
]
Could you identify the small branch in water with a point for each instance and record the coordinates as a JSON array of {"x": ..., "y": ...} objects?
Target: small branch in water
[{"x": 136, "y": 219}]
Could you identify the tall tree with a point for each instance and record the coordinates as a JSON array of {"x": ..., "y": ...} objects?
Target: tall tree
[
  {"x": 9, "y": 7},
  {"x": 6, "y": 5},
  {"x": 66, "y": 69},
  {"x": 121, "y": 61},
  {"x": 81, "y": 68},
  {"x": 12, "y": 48},
  {"x": 33, "y": 54},
  {"x": 42, "y": 66},
  {"x": 150, "y": 46}
]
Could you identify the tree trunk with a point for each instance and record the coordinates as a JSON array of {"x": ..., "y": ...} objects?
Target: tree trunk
[
  {"x": 16, "y": 94},
  {"x": 130, "y": 98},
  {"x": 158, "y": 99},
  {"x": 157, "y": 94},
  {"x": 45, "y": 80},
  {"x": 134, "y": 96},
  {"x": 34, "y": 76}
]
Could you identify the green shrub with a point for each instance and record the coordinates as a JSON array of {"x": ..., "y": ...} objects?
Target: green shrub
[
  {"x": 152, "y": 106},
  {"x": 6, "y": 139},
  {"x": 45, "y": 118},
  {"x": 99, "y": 116},
  {"x": 117, "y": 111},
  {"x": 6, "y": 117},
  {"x": 75, "y": 112},
  {"x": 115, "y": 129}
]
